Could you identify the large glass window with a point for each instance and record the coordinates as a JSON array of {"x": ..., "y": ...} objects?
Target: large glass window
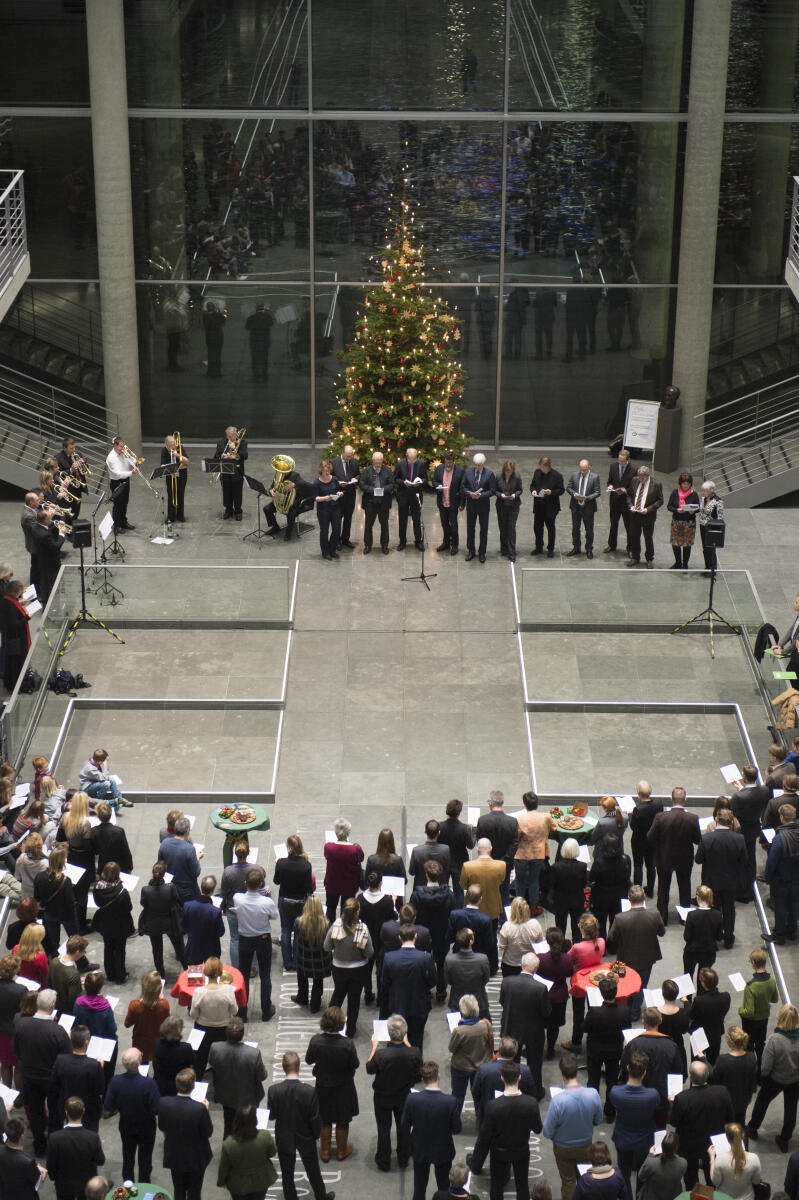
[
  {"x": 216, "y": 355},
  {"x": 209, "y": 54},
  {"x": 584, "y": 56},
  {"x": 763, "y": 66},
  {"x": 220, "y": 199},
  {"x": 44, "y": 53}
]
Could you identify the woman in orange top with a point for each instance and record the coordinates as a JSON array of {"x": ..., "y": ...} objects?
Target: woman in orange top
[{"x": 146, "y": 1015}]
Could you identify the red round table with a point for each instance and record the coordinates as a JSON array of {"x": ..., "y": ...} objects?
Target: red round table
[
  {"x": 628, "y": 984},
  {"x": 183, "y": 990}
]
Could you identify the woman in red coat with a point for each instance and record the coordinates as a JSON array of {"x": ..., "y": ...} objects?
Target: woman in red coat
[{"x": 343, "y": 874}]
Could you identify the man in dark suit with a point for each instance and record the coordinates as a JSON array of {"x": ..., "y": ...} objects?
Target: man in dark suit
[
  {"x": 748, "y": 804},
  {"x": 603, "y": 1026},
  {"x": 447, "y": 481},
  {"x": 620, "y": 477},
  {"x": 408, "y": 975},
  {"x": 477, "y": 487},
  {"x": 27, "y": 519},
  {"x": 38, "y": 1041},
  {"x": 73, "y": 1154},
  {"x": 502, "y": 832},
  {"x": 725, "y": 869},
  {"x": 377, "y": 486},
  {"x": 410, "y": 476},
  {"x": 672, "y": 837},
  {"x": 20, "y": 1176},
  {"x": 644, "y": 499},
  {"x": 346, "y": 470},
  {"x": 110, "y": 842},
  {"x": 429, "y": 1119},
  {"x": 633, "y": 938},
  {"x": 525, "y": 1009},
  {"x": 295, "y": 1110},
  {"x": 396, "y": 1068},
  {"x": 77, "y": 1074},
  {"x": 505, "y": 1132},
  {"x": 696, "y": 1114},
  {"x": 136, "y": 1099},
  {"x": 481, "y": 925},
  {"x": 47, "y": 540},
  {"x": 466, "y": 973},
  {"x": 236, "y": 1073},
  {"x": 546, "y": 488},
  {"x": 203, "y": 924},
  {"x": 187, "y": 1128},
  {"x": 232, "y": 485},
  {"x": 488, "y": 1078},
  {"x": 431, "y": 847},
  {"x": 583, "y": 487}
]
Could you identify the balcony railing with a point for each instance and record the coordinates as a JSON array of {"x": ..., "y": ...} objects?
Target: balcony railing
[
  {"x": 14, "y": 260},
  {"x": 792, "y": 261}
]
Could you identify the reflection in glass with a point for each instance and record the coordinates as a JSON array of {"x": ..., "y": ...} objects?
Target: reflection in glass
[
  {"x": 763, "y": 65},
  {"x": 212, "y": 356},
  {"x": 582, "y": 56},
  {"x": 45, "y": 59},
  {"x": 454, "y": 171},
  {"x": 754, "y": 340},
  {"x": 573, "y": 355},
  {"x": 408, "y": 56},
  {"x": 755, "y": 201},
  {"x": 238, "y": 54},
  {"x": 220, "y": 200}
]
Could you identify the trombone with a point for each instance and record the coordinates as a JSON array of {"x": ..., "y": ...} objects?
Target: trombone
[
  {"x": 234, "y": 453},
  {"x": 180, "y": 460}
]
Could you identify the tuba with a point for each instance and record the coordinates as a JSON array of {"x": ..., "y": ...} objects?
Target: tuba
[{"x": 284, "y": 497}]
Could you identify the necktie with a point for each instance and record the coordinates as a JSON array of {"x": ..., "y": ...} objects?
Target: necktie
[
  {"x": 638, "y": 497},
  {"x": 477, "y": 479},
  {"x": 345, "y": 467},
  {"x": 621, "y": 472},
  {"x": 410, "y": 472},
  {"x": 583, "y": 479}
]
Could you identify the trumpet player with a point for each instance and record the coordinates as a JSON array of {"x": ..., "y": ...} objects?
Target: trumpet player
[
  {"x": 176, "y": 486},
  {"x": 232, "y": 448},
  {"x": 121, "y": 465},
  {"x": 47, "y": 538}
]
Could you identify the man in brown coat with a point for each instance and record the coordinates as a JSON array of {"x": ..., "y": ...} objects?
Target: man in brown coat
[{"x": 490, "y": 874}]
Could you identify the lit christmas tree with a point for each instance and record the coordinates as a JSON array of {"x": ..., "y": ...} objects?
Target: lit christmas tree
[{"x": 402, "y": 384}]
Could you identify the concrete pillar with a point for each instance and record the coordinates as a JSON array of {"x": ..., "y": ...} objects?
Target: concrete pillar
[
  {"x": 705, "y": 134},
  {"x": 112, "y": 197}
]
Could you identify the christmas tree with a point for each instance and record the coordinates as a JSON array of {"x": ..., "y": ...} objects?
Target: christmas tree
[{"x": 402, "y": 383}]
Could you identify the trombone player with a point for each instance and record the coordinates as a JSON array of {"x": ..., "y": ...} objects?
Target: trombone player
[
  {"x": 121, "y": 465},
  {"x": 172, "y": 452},
  {"x": 232, "y": 447}
]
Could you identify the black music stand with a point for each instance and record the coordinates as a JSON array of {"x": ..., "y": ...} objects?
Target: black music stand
[
  {"x": 714, "y": 537},
  {"x": 96, "y": 567},
  {"x": 116, "y": 548},
  {"x": 256, "y": 486},
  {"x": 167, "y": 471},
  {"x": 103, "y": 588},
  {"x": 84, "y": 617},
  {"x": 421, "y": 577}
]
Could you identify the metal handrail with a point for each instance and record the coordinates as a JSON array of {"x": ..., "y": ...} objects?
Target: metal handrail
[
  {"x": 67, "y": 410},
  {"x": 64, "y": 324},
  {"x": 13, "y": 230},
  {"x": 758, "y": 425},
  {"x": 792, "y": 261}
]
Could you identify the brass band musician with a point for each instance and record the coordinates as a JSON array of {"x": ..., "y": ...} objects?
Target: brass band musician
[
  {"x": 284, "y": 485},
  {"x": 176, "y": 484},
  {"x": 232, "y": 447},
  {"x": 121, "y": 465}
]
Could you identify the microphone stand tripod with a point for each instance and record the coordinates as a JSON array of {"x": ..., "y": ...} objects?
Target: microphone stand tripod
[
  {"x": 709, "y": 612},
  {"x": 421, "y": 577}
]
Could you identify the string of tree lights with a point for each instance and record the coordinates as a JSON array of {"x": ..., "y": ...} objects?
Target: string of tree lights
[{"x": 402, "y": 384}]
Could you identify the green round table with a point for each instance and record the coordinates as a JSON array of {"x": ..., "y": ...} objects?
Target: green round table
[
  {"x": 143, "y": 1190},
  {"x": 581, "y": 836},
  {"x": 238, "y": 833}
]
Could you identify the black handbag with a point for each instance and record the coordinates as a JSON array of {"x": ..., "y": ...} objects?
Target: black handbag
[{"x": 762, "y": 1190}]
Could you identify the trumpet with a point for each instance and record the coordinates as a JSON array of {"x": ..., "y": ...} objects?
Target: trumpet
[
  {"x": 56, "y": 511},
  {"x": 81, "y": 464},
  {"x": 65, "y": 494}
]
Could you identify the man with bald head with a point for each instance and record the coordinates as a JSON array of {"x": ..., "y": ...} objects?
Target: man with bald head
[
  {"x": 584, "y": 491},
  {"x": 377, "y": 487},
  {"x": 477, "y": 487},
  {"x": 410, "y": 476},
  {"x": 346, "y": 470},
  {"x": 136, "y": 1099}
]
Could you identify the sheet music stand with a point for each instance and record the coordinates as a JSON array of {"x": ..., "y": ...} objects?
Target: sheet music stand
[
  {"x": 116, "y": 547},
  {"x": 256, "y": 486},
  {"x": 167, "y": 471},
  {"x": 219, "y": 466}
]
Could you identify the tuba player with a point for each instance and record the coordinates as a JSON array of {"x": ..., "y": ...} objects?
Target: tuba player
[{"x": 292, "y": 482}]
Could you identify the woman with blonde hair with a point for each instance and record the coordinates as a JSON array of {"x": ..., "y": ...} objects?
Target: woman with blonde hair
[
  {"x": 517, "y": 936},
  {"x": 212, "y": 1006},
  {"x": 734, "y": 1171},
  {"x": 350, "y": 942},
  {"x": 30, "y": 863},
  {"x": 585, "y": 953},
  {"x": 779, "y": 1072},
  {"x": 703, "y": 929},
  {"x": 313, "y": 961},
  {"x": 75, "y": 830},
  {"x": 737, "y": 1071},
  {"x": 33, "y": 960},
  {"x": 53, "y": 892},
  {"x": 146, "y": 1015},
  {"x": 52, "y": 797},
  {"x": 508, "y": 502}
]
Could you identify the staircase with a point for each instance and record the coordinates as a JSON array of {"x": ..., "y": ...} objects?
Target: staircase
[
  {"x": 54, "y": 337},
  {"x": 35, "y": 417},
  {"x": 15, "y": 263},
  {"x": 750, "y": 446}
]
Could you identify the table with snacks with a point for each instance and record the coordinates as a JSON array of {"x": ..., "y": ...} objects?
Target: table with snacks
[
  {"x": 237, "y": 821},
  {"x": 627, "y": 984},
  {"x": 139, "y": 1191},
  {"x": 569, "y": 824},
  {"x": 183, "y": 988}
]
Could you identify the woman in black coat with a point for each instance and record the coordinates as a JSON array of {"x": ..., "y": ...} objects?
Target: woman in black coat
[
  {"x": 113, "y": 921},
  {"x": 15, "y": 633},
  {"x": 683, "y": 505},
  {"x": 460, "y": 838},
  {"x": 335, "y": 1062},
  {"x": 610, "y": 881},
  {"x": 567, "y": 884},
  {"x": 160, "y": 914},
  {"x": 376, "y": 909},
  {"x": 53, "y": 891},
  {"x": 508, "y": 502},
  {"x": 170, "y": 1055}
]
